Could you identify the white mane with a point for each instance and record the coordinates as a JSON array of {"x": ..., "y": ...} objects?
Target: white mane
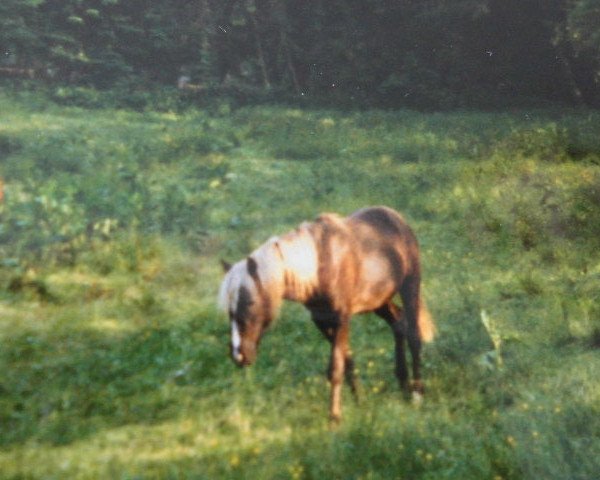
[
  {"x": 270, "y": 273},
  {"x": 287, "y": 268}
]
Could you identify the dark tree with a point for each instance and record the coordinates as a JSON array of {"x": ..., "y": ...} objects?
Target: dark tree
[{"x": 396, "y": 53}]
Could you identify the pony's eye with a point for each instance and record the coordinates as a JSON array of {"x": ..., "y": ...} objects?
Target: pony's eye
[
  {"x": 237, "y": 318},
  {"x": 241, "y": 324}
]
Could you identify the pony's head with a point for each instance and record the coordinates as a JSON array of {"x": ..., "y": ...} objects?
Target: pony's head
[{"x": 251, "y": 294}]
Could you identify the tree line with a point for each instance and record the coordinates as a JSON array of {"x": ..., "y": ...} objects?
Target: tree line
[{"x": 381, "y": 52}]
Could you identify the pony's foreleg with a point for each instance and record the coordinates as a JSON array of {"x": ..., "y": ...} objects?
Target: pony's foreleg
[
  {"x": 328, "y": 329},
  {"x": 351, "y": 378},
  {"x": 339, "y": 349},
  {"x": 392, "y": 314}
]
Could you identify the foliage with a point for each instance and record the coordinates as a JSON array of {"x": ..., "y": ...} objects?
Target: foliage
[
  {"x": 583, "y": 21},
  {"x": 114, "y": 357},
  {"x": 68, "y": 183},
  {"x": 433, "y": 54}
]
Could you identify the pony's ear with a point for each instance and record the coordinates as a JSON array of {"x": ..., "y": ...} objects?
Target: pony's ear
[
  {"x": 252, "y": 267},
  {"x": 226, "y": 266},
  {"x": 277, "y": 246}
]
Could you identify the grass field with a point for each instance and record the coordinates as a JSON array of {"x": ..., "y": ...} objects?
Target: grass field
[{"x": 113, "y": 356}]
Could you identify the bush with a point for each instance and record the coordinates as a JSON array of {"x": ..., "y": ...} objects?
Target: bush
[
  {"x": 70, "y": 181},
  {"x": 547, "y": 143},
  {"x": 9, "y": 144},
  {"x": 585, "y": 216}
]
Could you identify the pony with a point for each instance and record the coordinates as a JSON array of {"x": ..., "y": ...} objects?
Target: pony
[{"x": 336, "y": 267}]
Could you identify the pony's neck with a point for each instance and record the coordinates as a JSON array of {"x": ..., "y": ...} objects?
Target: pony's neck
[{"x": 300, "y": 265}]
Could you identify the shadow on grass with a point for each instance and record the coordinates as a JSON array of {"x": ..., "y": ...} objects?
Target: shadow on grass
[{"x": 59, "y": 388}]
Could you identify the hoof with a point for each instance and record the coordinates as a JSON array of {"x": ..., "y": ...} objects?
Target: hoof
[
  {"x": 417, "y": 398},
  {"x": 417, "y": 386},
  {"x": 417, "y": 390},
  {"x": 334, "y": 420},
  {"x": 405, "y": 391}
]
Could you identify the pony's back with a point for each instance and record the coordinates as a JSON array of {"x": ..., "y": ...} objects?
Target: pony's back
[{"x": 387, "y": 224}]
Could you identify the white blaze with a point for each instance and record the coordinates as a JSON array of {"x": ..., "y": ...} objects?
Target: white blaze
[{"x": 236, "y": 341}]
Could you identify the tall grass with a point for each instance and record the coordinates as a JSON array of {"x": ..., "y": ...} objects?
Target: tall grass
[{"x": 114, "y": 357}]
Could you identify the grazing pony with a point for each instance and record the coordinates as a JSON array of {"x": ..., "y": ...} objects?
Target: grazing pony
[{"x": 336, "y": 267}]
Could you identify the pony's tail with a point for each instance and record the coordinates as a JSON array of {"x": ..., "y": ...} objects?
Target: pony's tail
[{"x": 425, "y": 323}]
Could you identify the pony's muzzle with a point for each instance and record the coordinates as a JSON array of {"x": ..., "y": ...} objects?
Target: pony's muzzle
[
  {"x": 243, "y": 358},
  {"x": 236, "y": 355},
  {"x": 238, "y": 358}
]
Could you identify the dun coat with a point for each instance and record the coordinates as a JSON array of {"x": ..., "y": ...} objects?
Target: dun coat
[{"x": 337, "y": 267}]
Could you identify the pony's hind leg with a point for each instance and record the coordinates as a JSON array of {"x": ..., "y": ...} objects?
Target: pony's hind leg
[
  {"x": 392, "y": 314},
  {"x": 410, "y": 293}
]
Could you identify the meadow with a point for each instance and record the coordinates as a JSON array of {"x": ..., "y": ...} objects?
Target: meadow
[{"x": 114, "y": 358}]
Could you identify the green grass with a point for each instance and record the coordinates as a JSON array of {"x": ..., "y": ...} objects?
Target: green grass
[{"x": 114, "y": 357}]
